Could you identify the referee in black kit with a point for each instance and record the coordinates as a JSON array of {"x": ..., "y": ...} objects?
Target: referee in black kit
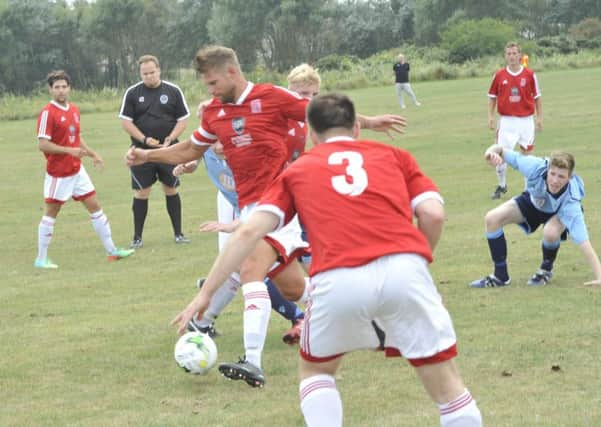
[{"x": 154, "y": 113}]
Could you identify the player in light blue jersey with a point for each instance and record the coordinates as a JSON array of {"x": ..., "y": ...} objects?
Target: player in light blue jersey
[
  {"x": 553, "y": 198},
  {"x": 227, "y": 221}
]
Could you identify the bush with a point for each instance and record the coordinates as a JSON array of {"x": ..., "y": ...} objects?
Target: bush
[
  {"x": 336, "y": 62},
  {"x": 472, "y": 39}
]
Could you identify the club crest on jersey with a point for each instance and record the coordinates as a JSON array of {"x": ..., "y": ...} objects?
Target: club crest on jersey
[
  {"x": 141, "y": 99},
  {"x": 255, "y": 106},
  {"x": 238, "y": 125},
  {"x": 71, "y": 134},
  {"x": 515, "y": 95},
  {"x": 164, "y": 98}
]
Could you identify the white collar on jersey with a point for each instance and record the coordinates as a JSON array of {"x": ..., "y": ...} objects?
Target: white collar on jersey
[
  {"x": 62, "y": 107},
  {"x": 516, "y": 73},
  {"x": 249, "y": 87},
  {"x": 339, "y": 138}
]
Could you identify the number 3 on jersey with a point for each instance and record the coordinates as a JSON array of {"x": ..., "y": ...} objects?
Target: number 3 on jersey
[{"x": 354, "y": 170}]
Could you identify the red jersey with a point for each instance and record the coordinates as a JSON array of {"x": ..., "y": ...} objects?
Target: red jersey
[
  {"x": 515, "y": 92},
  {"x": 253, "y": 133},
  {"x": 296, "y": 139},
  {"x": 355, "y": 199},
  {"x": 60, "y": 125}
]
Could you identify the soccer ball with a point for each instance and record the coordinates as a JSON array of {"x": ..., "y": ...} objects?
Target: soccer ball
[{"x": 195, "y": 352}]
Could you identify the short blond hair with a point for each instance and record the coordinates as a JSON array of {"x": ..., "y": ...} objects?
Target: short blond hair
[
  {"x": 562, "y": 160},
  {"x": 212, "y": 57},
  {"x": 304, "y": 74},
  {"x": 149, "y": 58},
  {"x": 512, "y": 44}
]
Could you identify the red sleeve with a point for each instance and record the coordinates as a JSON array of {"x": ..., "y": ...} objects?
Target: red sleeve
[
  {"x": 278, "y": 200},
  {"x": 292, "y": 105},
  {"x": 45, "y": 124},
  {"x": 493, "y": 90},
  {"x": 203, "y": 135},
  {"x": 417, "y": 182}
]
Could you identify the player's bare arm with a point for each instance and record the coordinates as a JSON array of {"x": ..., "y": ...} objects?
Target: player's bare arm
[
  {"x": 133, "y": 131},
  {"x": 237, "y": 249},
  {"x": 538, "y": 105},
  {"x": 219, "y": 227},
  {"x": 430, "y": 220},
  {"x": 593, "y": 261},
  {"x": 492, "y": 105},
  {"x": 96, "y": 159},
  {"x": 179, "y": 153},
  {"x": 49, "y": 147},
  {"x": 383, "y": 123}
]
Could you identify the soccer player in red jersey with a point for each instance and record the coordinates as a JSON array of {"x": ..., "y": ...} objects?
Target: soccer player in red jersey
[
  {"x": 60, "y": 141},
  {"x": 251, "y": 121},
  {"x": 370, "y": 262},
  {"x": 515, "y": 93}
]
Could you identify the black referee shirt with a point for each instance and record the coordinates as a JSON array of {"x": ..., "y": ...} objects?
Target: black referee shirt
[{"x": 155, "y": 111}]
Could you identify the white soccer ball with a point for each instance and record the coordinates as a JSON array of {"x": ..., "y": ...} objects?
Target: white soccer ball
[{"x": 196, "y": 353}]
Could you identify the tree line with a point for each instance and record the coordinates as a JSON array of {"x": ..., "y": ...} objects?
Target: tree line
[{"x": 98, "y": 42}]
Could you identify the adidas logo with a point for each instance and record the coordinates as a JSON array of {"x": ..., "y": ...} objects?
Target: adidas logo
[
  {"x": 221, "y": 113},
  {"x": 252, "y": 307}
]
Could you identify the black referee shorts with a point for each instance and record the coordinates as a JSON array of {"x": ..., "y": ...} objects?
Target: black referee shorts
[{"x": 146, "y": 174}]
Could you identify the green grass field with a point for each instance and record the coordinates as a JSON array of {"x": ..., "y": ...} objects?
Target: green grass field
[{"x": 89, "y": 344}]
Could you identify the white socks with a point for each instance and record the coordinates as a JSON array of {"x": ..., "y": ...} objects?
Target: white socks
[
  {"x": 45, "y": 232},
  {"x": 257, "y": 310},
  {"x": 320, "y": 401},
  {"x": 502, "y": 174},
  {"x": 460, "y": 412},
  {"x": 220, "y": 299},
  {"x": 103, "y": 229}
]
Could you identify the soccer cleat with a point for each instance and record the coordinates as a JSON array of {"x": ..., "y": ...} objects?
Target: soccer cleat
[
  {"x": 44, "y": 263},
  {"x": 292, "y": 335},
  {"x": 120, "y": 253},
  {"x": 243, "y": 370},
  {"x": 498, "y": 192},
  {"x": 489, "y": 281},
  {"x": 136, "y": 243},
  {"x": 180, "y": 239},
  {"x": 200, "y": 281},
  {"x": 540, "y": 278},
  {"x": 210, "y": 330}
]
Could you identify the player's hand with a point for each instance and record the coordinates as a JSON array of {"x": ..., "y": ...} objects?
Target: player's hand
[
  {"x": 136, "y": 156},
  {"x": 387, "y": 123},
  {"x": 201, "y": 107},
  {"x": 593, "y": 283},
  {"x": 98, "y": 162},
  {"x": 196, "y": 308},
  {"x": 491, "y": 124},
  {"x": 152, "y": 142},
  {"x": 218, "y": 227},
  {"x": 167, "y": 141},
  {"x": 539, "y": 124},
  {"x": 183, "y": 168}
]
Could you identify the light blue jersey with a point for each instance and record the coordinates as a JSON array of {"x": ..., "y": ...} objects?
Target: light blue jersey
[
  {"x": 221, "y": 175},
  {"x": 568, "y": 206}
]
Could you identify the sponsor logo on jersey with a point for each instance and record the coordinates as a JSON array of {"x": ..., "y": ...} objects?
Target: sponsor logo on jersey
[
  {"x": 72, "y": 134},
  {"x": 523, "y": 82},
  {"x": 238, "y": 125},
  {"x": 164, "y": 98},
  {"x": 141, "y": 99},
  {"x": 242, "y": 140},
  {"x": 515, "y": 95},
  {"x": 255, "y": 106}
]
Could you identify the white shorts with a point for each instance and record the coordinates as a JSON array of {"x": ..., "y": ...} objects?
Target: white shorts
[
  {"x": 287, "y": 241},
  {"x": 516, "y": 130},
  {"x": 60, "y": 189},
  {"x": 397, "y": 292}
]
